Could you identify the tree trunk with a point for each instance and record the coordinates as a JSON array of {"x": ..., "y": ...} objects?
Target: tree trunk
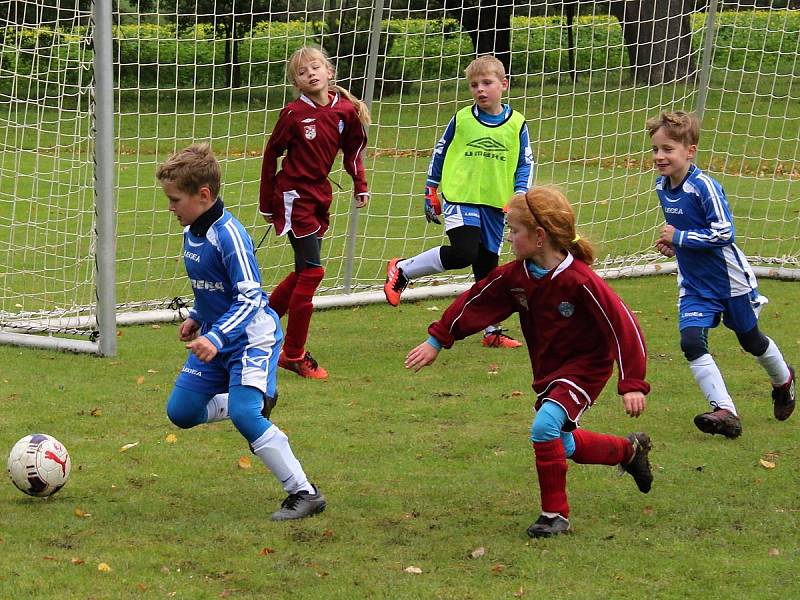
[
  {"x": 488, "y": 24},
  {"x": 658, "y": 38}
]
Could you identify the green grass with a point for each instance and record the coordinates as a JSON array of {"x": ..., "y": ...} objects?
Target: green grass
[{"x": 419, "y": 469}]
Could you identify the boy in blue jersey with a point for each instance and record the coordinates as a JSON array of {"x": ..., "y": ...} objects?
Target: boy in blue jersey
[
  {"x": 482, "y": 160},
  {"x": 232, "y": 335},
  {"x": 714, "y": 278}
]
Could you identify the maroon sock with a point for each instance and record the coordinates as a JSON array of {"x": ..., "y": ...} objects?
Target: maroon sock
[
  {"x": 300, "y": 309},
  {"x": 600, "y": 449},
  {"x": 280, "y": 296},
  {"x": 551, "y": 466}
]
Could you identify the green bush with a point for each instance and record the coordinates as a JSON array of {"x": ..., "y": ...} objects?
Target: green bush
[{"x": 41, "y": 62}]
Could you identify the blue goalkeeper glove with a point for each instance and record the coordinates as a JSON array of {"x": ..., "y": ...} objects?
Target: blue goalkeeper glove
[{"x": 433, "y": 207}]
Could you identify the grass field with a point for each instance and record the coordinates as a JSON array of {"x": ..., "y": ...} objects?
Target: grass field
[{"x": 420, "y": 470}]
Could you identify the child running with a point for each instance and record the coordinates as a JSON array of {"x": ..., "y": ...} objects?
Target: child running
[
  {"x": 575, "y": 327},
  {"x": 232, "y": 335},
  {"x": 715, "y": 281},
  {"x": 297, "y": 200},
  {"x": 483, "y": 158}
]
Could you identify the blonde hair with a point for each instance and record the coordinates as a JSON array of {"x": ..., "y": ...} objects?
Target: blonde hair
[
  {"x": 679, "y": 126},
  {"x": 485, "y": 64},
  {"x": 306, "y": 54},
  {"x": 546, "y": 207},
  {"x": 192, "y": 168}
]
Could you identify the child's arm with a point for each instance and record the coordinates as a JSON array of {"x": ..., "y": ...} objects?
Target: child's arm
[
  {"x": 625, "y": 337},
  {"x": 276, "y": 146},
  {"x": 439, "y": 152},
  {"x": 242, "y": 269},
  {"x": 523, "y": 176},
  {"x": 485, "y": 303},
  {"x": 424, "y": 354},
  {"x": 354, "y": 141},
  {"x": 711, "y": 202}
]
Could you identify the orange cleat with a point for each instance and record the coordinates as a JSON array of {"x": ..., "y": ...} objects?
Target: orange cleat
[
  {"x": 498, "y": 339},
  {"x": 396, "y": 282},
  {"x": 305, "y": 366}
]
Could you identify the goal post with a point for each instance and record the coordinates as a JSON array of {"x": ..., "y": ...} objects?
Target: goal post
[
  {"x": 585, "y": 75},
  {"x": 57, "y": 209}
]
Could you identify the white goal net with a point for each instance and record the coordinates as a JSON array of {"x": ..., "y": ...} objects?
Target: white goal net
[{"x": 585, "y": 75}]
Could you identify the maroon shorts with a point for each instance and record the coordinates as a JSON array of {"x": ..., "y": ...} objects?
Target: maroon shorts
[
  {"x": 302, "y": 215},
  {"x": 575, "y": 397}
]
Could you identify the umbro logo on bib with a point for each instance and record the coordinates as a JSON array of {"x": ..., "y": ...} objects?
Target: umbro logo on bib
[{"x": 487, "y": 144}]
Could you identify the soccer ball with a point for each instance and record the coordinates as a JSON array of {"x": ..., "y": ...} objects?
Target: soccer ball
[{"x": 39, "y": 465}]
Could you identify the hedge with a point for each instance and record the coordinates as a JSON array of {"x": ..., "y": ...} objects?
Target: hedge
[{"x": 41, "y": 63}]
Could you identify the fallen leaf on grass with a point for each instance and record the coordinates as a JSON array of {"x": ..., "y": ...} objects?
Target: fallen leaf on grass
[
  {"x": 140, "y": 380},
  {"x": 766, "y": 464},
  {"x": 48, "y": 557},
  {"x": 171, "y": 438},
  {"x": 478, "y": 552},
  {"x": 127, "y": 447},
  {"x": 245, "y": 462},
  {"x": 266, "y": 551},
  {"x": 79, "y": 512},
  {"x": 498, "y": 568},
  {"x": 152, "y": 371},
  {"x": 95, "y": 412},
  {"x": 434, "y": 308},
  {"x": 413, "y": 570},
  {"x": 648, "y": 510},
  {"x": 520, "y": 592},
  {"x": 516, "y": 394},
  {"x": 77, "y": 561},
  {"x": 103, "y": 568},
  {"x": 773, "y": 552},
  {"x": 494, "y": 369}
]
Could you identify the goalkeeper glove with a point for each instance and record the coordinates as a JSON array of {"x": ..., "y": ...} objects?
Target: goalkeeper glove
[{"x": 432, "y": 205}]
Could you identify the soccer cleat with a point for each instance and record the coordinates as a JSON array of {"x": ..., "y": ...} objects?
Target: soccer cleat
[
  {"x": 639, "y": 465},
  {"x": 300, "y": 505},
  {"x": 498, "y": 339},
  {"x": 305, "y": 366},
  {"x": 548, "y": 526},
  {"x": 783, "y": 398},
  {"x": 396, "y": 282},
  {"x": 721, "y": 421}
]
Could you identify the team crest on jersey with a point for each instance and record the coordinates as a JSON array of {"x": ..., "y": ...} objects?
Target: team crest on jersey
[
  {"x": 566, "y": 309},
  {"x": 310, "y": 131}
]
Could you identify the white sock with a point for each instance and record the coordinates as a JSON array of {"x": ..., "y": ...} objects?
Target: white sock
[
  {"x": 707, "y": 375},
  {"x": 774, "y": 365},
  {"x": 274, "y": 451},
  {"x": 217, "y": 408},
  {"x": 550, "y": 515},
  {"x": 427, "y": 263}
]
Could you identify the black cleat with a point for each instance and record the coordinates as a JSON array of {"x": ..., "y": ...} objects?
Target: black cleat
[
  {"x": 548, "y": 526},
  {"x": 639, "y": 465},
  {"x": 720, "y": 421},
  {"x": 783, "y": 398},
  {"x": 300, "y": 505}
]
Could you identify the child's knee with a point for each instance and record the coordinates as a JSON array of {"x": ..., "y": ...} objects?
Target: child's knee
[
  {"x": 548, "y": 422},
  {"x": 694, "y": 343}
]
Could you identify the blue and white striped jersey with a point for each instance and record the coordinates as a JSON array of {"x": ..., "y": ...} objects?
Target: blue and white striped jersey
[
  {"x": 710, "y": 264},
  {"x": 225, "y": 279}
]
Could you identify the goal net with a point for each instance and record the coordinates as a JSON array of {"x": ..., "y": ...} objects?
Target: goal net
[{"x": 586, "y": 76}]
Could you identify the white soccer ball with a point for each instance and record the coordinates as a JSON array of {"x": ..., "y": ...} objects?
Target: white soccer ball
[{"x": 39, "y": 465}]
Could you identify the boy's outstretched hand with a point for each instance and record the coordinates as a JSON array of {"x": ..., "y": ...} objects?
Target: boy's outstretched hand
[{"x": 421, "y": 356}]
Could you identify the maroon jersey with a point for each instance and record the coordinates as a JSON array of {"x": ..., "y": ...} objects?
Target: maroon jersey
[
  {"x": 575, "y": 326},
  {"x": 310, "y": 135}
]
